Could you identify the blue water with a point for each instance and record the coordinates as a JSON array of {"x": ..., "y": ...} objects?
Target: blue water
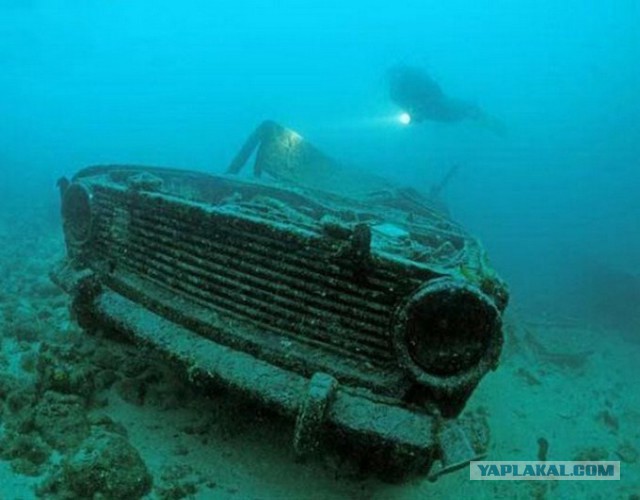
[
  {"x": 183, "y": 83},
  {"x": 555, "y": 200}
]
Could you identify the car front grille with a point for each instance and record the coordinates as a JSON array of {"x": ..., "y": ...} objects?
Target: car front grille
[{"x": 292, "y": 282}]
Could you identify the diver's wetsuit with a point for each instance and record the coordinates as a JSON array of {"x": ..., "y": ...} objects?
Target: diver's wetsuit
[{"x": 420, "y": 96}]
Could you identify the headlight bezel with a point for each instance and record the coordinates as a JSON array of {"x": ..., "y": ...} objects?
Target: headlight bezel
[
  {"x": 77, "y": 214},
  {"x": 469, "y": 375}
]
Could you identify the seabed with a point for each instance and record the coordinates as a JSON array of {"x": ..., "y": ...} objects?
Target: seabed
[{"x": 64, "y": 394}]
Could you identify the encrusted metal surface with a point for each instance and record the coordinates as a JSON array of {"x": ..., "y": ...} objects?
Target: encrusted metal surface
[{"x": 379, "y": 293}]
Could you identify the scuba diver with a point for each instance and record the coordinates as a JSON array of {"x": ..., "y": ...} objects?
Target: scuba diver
[{"x": 422, "y": 99}]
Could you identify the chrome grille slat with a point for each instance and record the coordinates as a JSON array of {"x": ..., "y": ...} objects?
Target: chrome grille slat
[
  {"x": 218, "y": 284},
  {"x": 293, "y": 283},
  {"x": 241, "y": 263},
  {"x": 311, "y": 270},
  {"x": 230, "y": 304}
]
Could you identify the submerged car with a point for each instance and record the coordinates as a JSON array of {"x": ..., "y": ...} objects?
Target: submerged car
[{"x": 357, "y": 308}]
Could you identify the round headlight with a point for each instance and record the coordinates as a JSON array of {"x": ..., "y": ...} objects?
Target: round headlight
[
  {"x": 76, "y": 214},
  {"x": 448, "y": 332}
]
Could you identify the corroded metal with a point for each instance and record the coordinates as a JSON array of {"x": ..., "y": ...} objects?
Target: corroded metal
[{"x": 367, "y": 318}]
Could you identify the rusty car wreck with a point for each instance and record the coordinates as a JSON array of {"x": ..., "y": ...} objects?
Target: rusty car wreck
[{"x": 356, "y": 308}]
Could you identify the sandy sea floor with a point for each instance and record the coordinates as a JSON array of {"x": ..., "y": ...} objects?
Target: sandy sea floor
[{"x": 65, "y": 394}]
